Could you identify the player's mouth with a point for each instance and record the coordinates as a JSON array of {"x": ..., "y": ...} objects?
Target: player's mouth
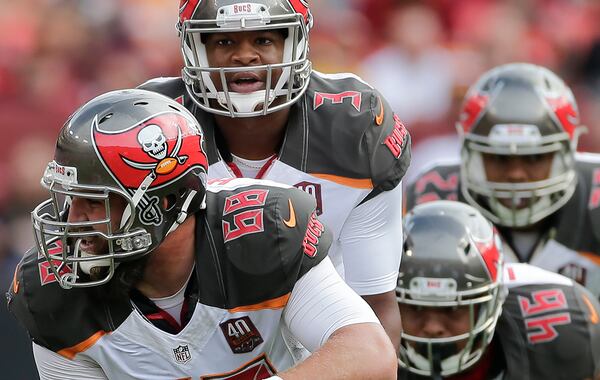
[
  {"x": 517, "y": 203},
  {"x": 245, "y": 82},
  {"x": 88, "y": 245}
]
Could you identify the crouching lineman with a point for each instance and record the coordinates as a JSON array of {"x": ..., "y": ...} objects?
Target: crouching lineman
[
  {"x": 466, "y": 315},
  {"x": 142, "y": 272}
]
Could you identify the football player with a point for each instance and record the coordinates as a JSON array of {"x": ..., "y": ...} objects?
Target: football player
[
  {"x": 248, "y": 80},
  {"x": 466, "y": 315},
  {"x": 142, "y": 271},
  {"x": 519, "y": 128}
]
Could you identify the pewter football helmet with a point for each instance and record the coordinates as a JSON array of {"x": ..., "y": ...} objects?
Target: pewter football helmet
[
  {"x": 519, "y": 110},
  {"x": 137, "y": 145},
  {"x": 198, "y": 18},
  {"x": 452, "y": 258}
]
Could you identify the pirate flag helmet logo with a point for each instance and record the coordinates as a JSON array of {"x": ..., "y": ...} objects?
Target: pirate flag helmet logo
[{"x": 135, "y": 148}]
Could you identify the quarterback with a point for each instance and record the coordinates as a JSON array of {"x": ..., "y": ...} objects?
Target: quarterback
[{"x": 248, "y": 80}]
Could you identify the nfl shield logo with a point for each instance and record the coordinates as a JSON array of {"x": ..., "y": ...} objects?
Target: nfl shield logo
[{"x": 182, "y": 354}]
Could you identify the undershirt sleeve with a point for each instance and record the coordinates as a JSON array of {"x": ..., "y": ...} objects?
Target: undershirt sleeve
[
  {"x": 371, "y": 243},
  {"x": 321, "y": 303},
  {"x": 52, "y": 366}
]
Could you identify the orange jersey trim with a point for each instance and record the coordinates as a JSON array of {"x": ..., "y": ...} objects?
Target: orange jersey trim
[
  {"x": 275, "y": 303},
  {"x": 591, "y": 256},
  {"x": 15, "y": 284},
  {"x": 70, "y": 352},
  {"x": 594, "y": 318},
  {"x": 350, "y": 182},
  {"x": 379, "y": 117}
]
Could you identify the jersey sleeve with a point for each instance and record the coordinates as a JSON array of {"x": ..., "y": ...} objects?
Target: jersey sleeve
[
  {"x": 350, "y": 135},
  {"x": 322, "y": 303},
  {"x": 371, "y": 244},
  {"x": 550, "y": 325},
  {"x": 264, "y": 237},
  {"x": 305, "y": 244},
  {"x": 388, "y": 143},
  {"x": 17, "y": 302},
  {"x": 52, "y": 366},
  {"x": 55, "y": 318},
  {"x": 591, "y": 311}
]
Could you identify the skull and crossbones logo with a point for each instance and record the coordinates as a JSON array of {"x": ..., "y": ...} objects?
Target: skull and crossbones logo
[{"x": 154, "y": 143}]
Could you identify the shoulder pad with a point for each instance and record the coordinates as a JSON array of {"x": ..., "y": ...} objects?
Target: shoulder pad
[
  {"x": 551, "y": 319},
  {"x": 173, "y": 87},
  {"x": 520, "y": 274},
  {"x": 266, "y": 236},
  {"x": 49, "y": 313},
  {"x": 588, "y": 168},
  {"x": 354, "y": 133},
  {"x": 434, "y": 183}
]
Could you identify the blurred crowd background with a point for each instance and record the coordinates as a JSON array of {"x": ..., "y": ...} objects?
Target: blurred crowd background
[{"x": 423, "y": 55}]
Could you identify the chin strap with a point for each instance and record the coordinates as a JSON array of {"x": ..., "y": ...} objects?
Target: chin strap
[{"x": 183, "y": 213}]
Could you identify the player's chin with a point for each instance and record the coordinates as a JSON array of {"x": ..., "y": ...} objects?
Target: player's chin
[{"x": 98, "y": 273}]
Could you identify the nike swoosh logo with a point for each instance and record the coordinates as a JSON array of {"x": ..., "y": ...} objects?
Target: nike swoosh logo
[
  {"x": 291, "y": 222},
  {"x": 379, "y": 117}
]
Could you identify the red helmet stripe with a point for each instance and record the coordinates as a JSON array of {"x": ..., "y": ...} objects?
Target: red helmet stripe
[
  {"x": 301, "y": 6},
  {"x": 187, "y": 9},
  {"x": 566, "y": 113},
  {"x": 491, "y": 256},
  {"x": 471, "y": 110}
]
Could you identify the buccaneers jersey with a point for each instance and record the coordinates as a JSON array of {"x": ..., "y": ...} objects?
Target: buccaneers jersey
[
  {"x": 570, "y": 242},
  {"x": 253, "y": 243},
  {"x": 549, "y": 329},
  {"x": 345, "y": 146}
]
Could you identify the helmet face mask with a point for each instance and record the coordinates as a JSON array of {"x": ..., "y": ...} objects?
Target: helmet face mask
[
  {"x": 518, "y": 111},
  {"x": 61, "y": 240},
  {"x": 285, "y": 81},
  {"x": 517, "y": 204},
  {"x": 452, "y": 267},
  {"x": 129, "y": 167}
]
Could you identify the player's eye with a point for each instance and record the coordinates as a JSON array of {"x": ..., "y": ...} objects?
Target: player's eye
[
  {"x": 96, "y": 203},
  {"x": 264, "y": 41},
  {"x": 224, "y": 42},
  {"x": 533, "y": 158},
  {"x": 495, "y": 158}
]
